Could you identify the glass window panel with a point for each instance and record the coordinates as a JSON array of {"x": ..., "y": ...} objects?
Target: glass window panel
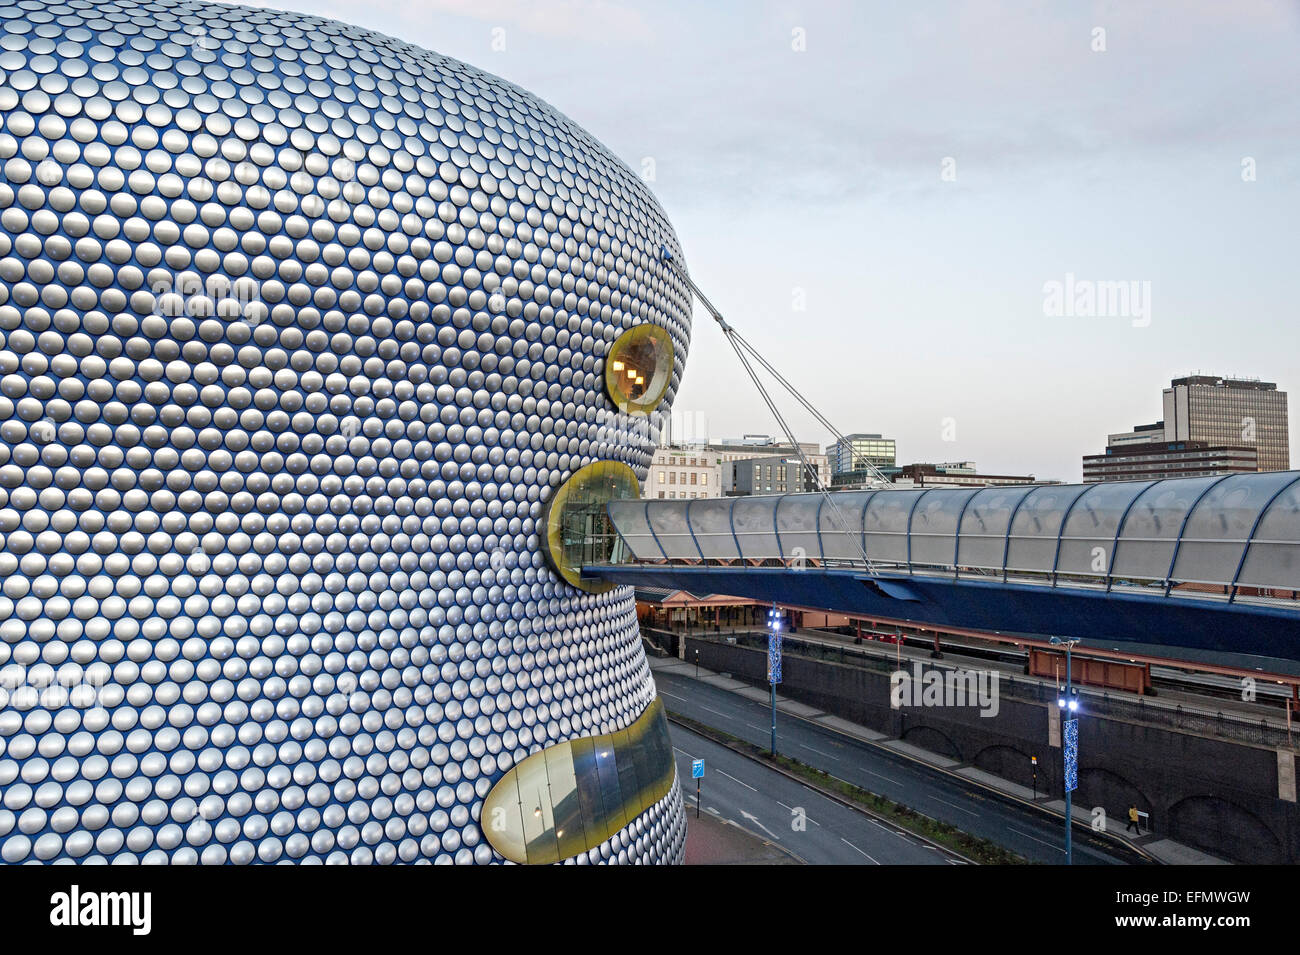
[
  {"x": 628, "y": 518},
  {"x": 984, "y": 526},
  {"x": 1272, "y": 564},
  {"x": 1213, "y": 540},
  {"x": 669, "y": 523},
  {"x": 576, "y": 794},
  {"x": 886, "y": 525},
  {"x": 842, "y": 524},
  {"x": 594, "y": 821},
  {"x": 629, "y": 783},
  {"x": 566, "y": 808},
  {"x": 578, "y": 527},
  {"x": 796, "y": 517},
  {"x": 753, "y": 521},
  {"x": 711, "y": 522},
  {"x": 934, "y": 526},
  {"x": 607, "y": 772},
  {"x": 638, "y": 368},
  {"x": 539, "y": 821}
]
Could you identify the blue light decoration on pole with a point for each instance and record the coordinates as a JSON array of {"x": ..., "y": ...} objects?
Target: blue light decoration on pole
[
  {"x": 773, "y": 662},
  {"x": 1069, "y": 704}
]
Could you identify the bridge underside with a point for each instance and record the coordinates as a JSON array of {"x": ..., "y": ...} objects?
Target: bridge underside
[{"x": 995, "y": 606}]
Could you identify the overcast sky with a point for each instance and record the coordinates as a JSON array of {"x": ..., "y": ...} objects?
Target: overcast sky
[{"x": 915, "y": 174}]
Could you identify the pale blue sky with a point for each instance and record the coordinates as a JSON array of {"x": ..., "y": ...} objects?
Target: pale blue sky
[{"x": 820, "y": 170}]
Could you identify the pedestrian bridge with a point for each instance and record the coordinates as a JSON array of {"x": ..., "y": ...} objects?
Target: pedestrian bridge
[{"x": 1206, "y": 563}]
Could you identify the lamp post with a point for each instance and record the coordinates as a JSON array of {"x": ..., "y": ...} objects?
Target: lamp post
[
  {"x": 1069, "y": 704},
  {"x": 773, "y": 662}
]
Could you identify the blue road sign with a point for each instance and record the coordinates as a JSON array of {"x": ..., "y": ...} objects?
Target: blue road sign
[
  {"x": 697, "y": 769},
  {"x": 1071, "y": 755},
  {"x": 774, "y": 658}
]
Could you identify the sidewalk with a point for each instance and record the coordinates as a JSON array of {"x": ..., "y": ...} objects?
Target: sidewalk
[
  {"x": 713, "y": 841},
  {"x": 1165, "y": 851}
]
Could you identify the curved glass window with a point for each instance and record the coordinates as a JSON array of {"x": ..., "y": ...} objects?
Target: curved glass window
[
  {"x": 573, "y": 796},
  {"x": 578, "y": 529},
  {"x": 638, "y": 368}
]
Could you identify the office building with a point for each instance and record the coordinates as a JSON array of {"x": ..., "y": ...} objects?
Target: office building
[
  {"x": 683, "y": 472},
  {"x": 730, "y": 450},
  {"x": 1212, "y": 425},
  {"x": 1167, "y": 459},
  {"x": 773, "y": 474},
  {"x": 861, "y": 452}
]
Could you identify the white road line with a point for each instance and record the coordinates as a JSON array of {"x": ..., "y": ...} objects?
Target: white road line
[
  {"x": 735, "y": 780},
  {"x": 894, "y": 832},
  {"x": 716, "y": 712},
  {"x": 663, "y": 692},
  {"x": 683, "y": 752},
  {"x": 955, "y": 806},
  {"x": 852, "y": 846},
  {"x": 819, "y": 752},
  {"x": 755, "y": 726},
  {"x": 879, "y": 776},
  {"x": 1035, "y": 838}
]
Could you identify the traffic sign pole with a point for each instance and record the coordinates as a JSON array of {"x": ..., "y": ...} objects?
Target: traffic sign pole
[{"x": 697, "y": 770}]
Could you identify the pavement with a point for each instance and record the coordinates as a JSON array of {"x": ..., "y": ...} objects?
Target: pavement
[
  {"x": 749, "y": 813},
  {"x": 971, "y": 799}
]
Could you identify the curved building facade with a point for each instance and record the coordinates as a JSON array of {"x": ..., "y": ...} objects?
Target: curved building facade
[{"x": 301, "y": 330}]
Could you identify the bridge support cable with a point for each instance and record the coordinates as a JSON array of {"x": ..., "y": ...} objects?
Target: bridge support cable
[
  {"x": 876, "y": 473},
  {"x": 740, "y": 346}
]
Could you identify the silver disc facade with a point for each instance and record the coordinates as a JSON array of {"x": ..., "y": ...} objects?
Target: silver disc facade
[{"x": 300, "y": 328}]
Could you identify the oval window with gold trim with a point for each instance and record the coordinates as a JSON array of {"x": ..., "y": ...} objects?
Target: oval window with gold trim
[
  {"x": 577, "y": 526},
  {"x": 638, "y": 368},
  {"x": 572, "y": 796}
]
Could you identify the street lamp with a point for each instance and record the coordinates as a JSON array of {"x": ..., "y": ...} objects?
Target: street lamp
[
  {"x": 1069, "y": 704},
  {"x": 773, "y": 662}
]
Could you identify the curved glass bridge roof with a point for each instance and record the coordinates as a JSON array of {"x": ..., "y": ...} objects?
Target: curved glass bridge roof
[{"x": 1235, "y": 537}]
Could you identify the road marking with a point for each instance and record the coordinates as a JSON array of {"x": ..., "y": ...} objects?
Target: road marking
[
  {"x": 663, "y": 692},
  {"x": 1035, "y": 838},
  {"x": 819, "y": 752},
  {"x": 735, "y": 780},
  {"x": 879, "y": 776},
  {"x": 791, "y": 809},
  {"x": 683, "y": 752},
  {"x": 755, "y": 726},
  {"x": 852, "y": 846},
  {"x": 754, "y": 819},
  {"x": 955, "y": 806},
  {"x": 894, "y": 832},
  {"x": 716, "y": 712}
]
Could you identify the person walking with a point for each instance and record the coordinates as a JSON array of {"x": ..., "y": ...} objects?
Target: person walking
[{"x": 1133, "y": 820}]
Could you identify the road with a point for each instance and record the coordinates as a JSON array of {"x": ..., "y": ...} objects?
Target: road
[
  {"x": 939, "y": 795},
  {"x": 768, "y": 803}
]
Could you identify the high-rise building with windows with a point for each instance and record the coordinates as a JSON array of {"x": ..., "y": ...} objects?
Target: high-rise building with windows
[
  {"x": 1212, "y": 425},
  {"x": 1232, "y": 412},
  {"x": 861, "y": 452}
]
